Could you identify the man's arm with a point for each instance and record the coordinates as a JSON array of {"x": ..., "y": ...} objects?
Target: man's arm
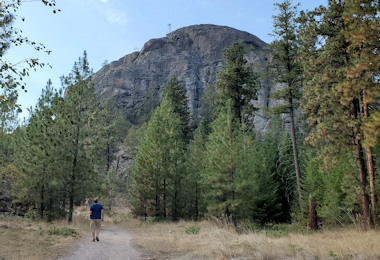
[{"x": 102, "y": 212}]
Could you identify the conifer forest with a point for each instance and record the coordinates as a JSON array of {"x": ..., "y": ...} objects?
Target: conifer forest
[{"x": 317, "y": 164}]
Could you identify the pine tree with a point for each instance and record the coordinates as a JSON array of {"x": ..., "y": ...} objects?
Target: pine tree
[
  {"x": 221, "y": 166},
  {"x": 362, "y": 35},
  {"x": 257, "y": 192},
  {"x": 286, "y": 69},
  {"x": 194, "y": 164},
  {"x": 332, "y": 104},
  {"x": 236, "y": 82},
  {"x": 158, "y": 174},
  {"x": 109, "y": 128},
  {"x": 74, "y": 114},
  {"x": 175, "y": 93},
  {"x": 278, "y": 160},
  {"x": 207, "y": 111},
  {"x": 36, "y": 155}
]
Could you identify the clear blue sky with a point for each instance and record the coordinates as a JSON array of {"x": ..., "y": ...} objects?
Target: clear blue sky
[{"x": 110, "y": 29}]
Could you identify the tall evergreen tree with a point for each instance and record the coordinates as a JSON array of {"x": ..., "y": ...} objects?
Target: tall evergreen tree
[
  {"x": 362, "y": 35},
  {"x": 36, "y": 155},
  {"x": 74, "y": 114},
  {"x": 332, "y": 101},
  {"x": 221, "y": 167},
  {"x": 276, "y": 150},
  {"x": 175, "y": 93},
  {"x": 109, "y": 127},
  {"x": 207, "y": 112},
  {"x": 286, "y": 69},
  {"x": 194, "y": 164},
  {"x": 157, "y": 174},
  {"x": 236, "y": 82}
]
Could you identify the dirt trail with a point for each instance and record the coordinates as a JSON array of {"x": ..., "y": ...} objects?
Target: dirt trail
[{"x": 115, "y": 243}]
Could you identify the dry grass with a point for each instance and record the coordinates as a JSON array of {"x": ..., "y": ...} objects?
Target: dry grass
[
  {"x": 214, "y": 241},
  {"x": 21, "y": 238}
]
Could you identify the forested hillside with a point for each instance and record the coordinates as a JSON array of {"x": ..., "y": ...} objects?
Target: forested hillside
[{"x": 315, "y": 164}]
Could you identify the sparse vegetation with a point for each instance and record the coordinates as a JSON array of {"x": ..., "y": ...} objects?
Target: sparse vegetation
[
  {"x": 218, "y": 240},
  {"x": 24, "y": 238},
  {"x": 192, "y": 230}
]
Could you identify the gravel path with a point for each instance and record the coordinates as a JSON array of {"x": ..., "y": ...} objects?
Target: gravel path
[{"x": 115, "y": 243}]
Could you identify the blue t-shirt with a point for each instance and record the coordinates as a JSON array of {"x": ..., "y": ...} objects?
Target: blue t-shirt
[{"x": 96, "y": 211}]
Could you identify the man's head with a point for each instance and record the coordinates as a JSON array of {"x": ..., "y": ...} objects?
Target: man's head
[{"x": 96, "y": 200}]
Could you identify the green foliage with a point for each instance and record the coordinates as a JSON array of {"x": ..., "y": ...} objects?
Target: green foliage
[
  {"x": 285, "y": 68},
  {"x": 175, "y": 94},
  {"x": 12, "y": 73},
  {"x": 335, "y": 94},
  {"x": 108, "y": 127},
  {"x": 237, "y": 183},
  {"x": 8, "y": 123},
  {"x": 73, "y": 119},
  {"x": 192, "y": 230},
  {"x": 331, "y": 187},
  {"x": 194, "y": 165},
  {"x": 62, "y": 231},
  {"x": 237, "y": 82},
  {"x": 36, "y": 155},
  {"x": 207, "y": 111},
  {"x": 158, "y": 166}
]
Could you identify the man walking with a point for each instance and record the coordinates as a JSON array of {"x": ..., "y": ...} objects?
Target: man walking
[{"x": 97, "y": 217}]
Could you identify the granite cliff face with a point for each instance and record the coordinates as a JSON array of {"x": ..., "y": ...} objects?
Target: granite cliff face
[{"x": 193, "y": 54}]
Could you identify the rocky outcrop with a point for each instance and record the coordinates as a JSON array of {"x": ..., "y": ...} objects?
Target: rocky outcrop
[{"x": 193, "y": 54}]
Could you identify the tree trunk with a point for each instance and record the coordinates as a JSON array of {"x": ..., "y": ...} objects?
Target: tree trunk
[
  {"x": 368, "y": 223},
  {"x": 295, "y": 153},
  {"x": 50, "y": 213},
  {"x": 108, "y": 157},
  {"x": 72, "y": 177},
  {"x": 312, "y": 214},
  {"x": 370, "y": 163},
  {"x": 196, "y": 203},
  {"x": 42, "y": 197},
  {"x": 360, "y": 162},
  {"x": 371, "y": 171},
  {"x": 165, "y": 202},
  {"x": 71, "y": 206}
]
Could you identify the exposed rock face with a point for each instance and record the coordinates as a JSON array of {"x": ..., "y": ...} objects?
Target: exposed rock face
[{"x": 193, "y": 54}]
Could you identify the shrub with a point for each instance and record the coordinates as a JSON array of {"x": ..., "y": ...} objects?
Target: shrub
[
  {"x": 62, "y": 231},
  {"x": 192, "y": 230}
]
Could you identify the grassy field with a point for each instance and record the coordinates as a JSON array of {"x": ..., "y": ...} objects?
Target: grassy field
[
  {"x": 36, "y": 240},
  {"x": 210, "y": 240},
  {"x": 25, "y": 239}
]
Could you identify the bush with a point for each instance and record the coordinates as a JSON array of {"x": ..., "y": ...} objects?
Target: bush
[
  {"x": 192, "y": 230},
  {"x": 63, "y": 231}
]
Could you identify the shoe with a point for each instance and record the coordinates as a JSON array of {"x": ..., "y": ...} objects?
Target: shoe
[
  {"x": 97, "y": 239},
  {"x": 93, "y": 240}
]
